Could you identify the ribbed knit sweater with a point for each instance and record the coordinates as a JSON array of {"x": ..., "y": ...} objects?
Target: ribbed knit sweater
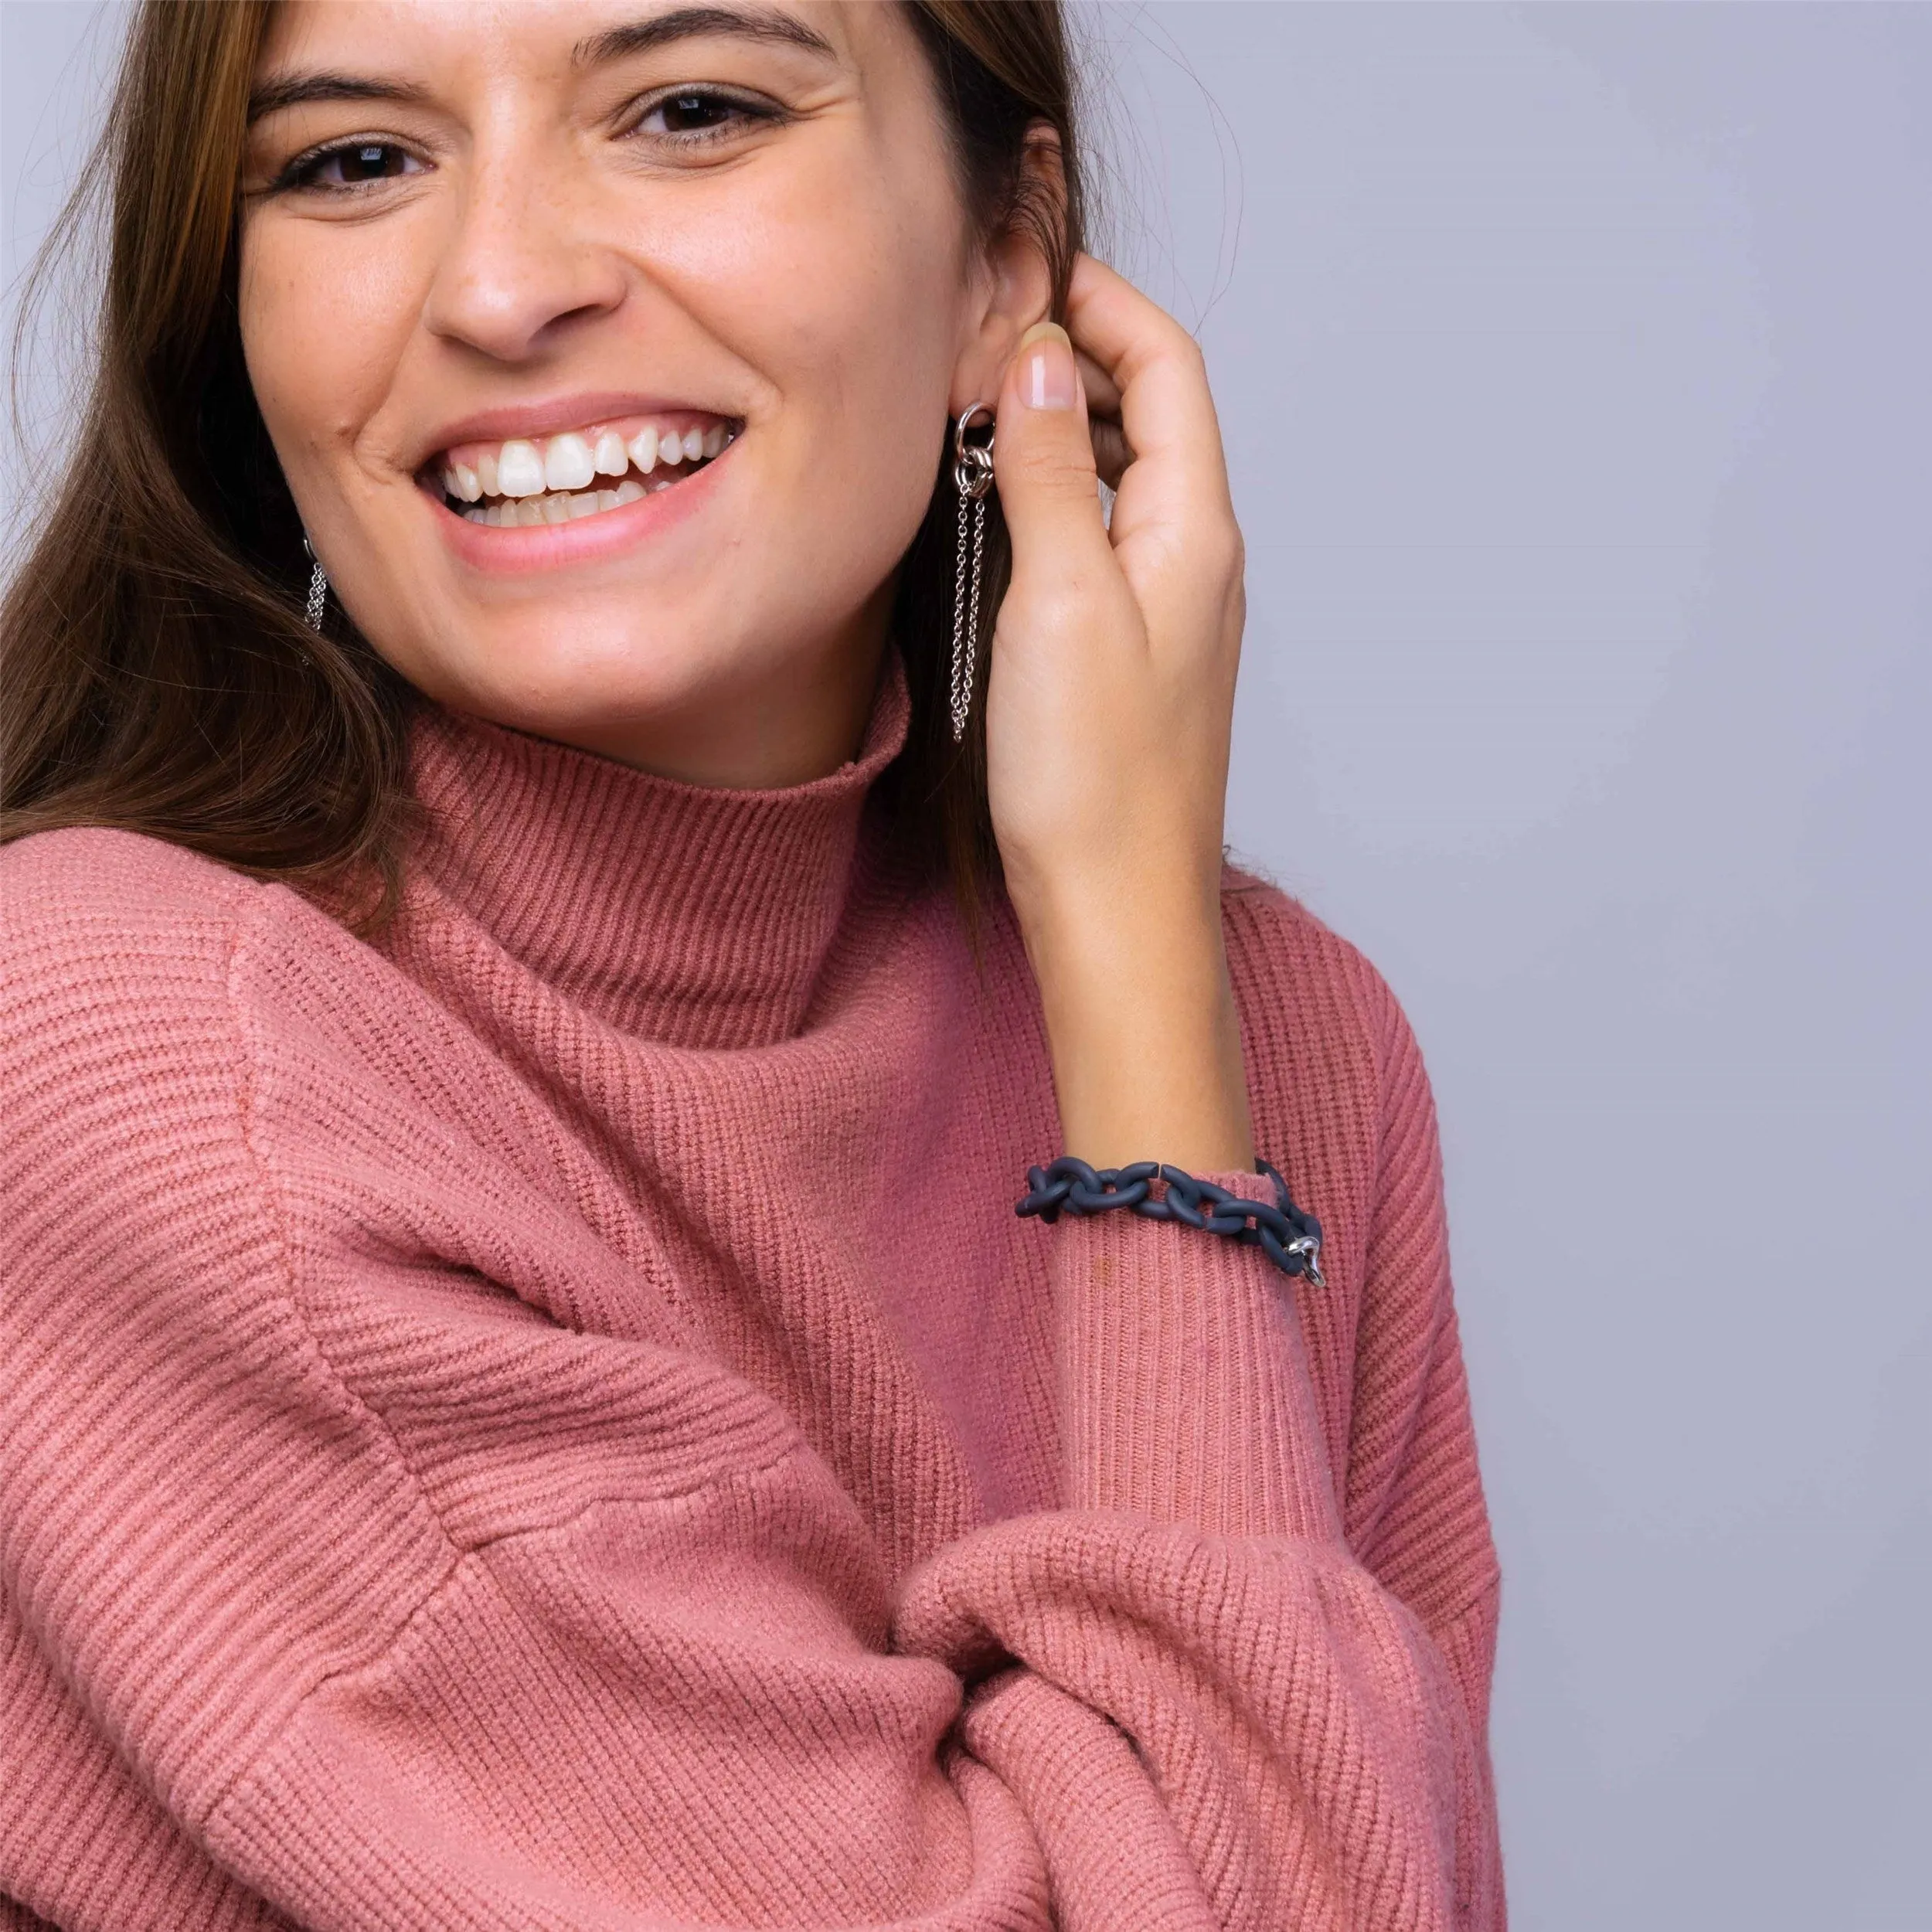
[{"x": 548, "y": 1419}]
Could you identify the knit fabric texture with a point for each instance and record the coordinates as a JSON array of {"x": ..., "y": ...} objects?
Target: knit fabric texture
[{"x": 549, "y": 1419}]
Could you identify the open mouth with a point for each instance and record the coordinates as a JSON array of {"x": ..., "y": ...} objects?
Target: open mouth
[{"x": 582, "y": 472}]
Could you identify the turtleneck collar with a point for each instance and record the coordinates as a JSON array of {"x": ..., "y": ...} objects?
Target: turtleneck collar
[{"x": 695, "y": 917}]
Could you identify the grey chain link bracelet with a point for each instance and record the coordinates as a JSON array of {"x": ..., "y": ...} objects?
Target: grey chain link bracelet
[{"x": 1287, "y": 1235}]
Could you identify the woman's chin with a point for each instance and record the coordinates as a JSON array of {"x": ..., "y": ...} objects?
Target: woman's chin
[{"x": 594, "y": 676}]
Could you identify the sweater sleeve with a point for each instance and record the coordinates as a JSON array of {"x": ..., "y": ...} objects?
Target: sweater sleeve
[
  {"x": 1291, "y": 1722},
  {"x": 519, "y": 1627},
  {"x": 1415, "y": 1509}
]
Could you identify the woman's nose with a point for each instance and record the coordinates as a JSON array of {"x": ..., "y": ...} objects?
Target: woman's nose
[{"x": 517, "y": 263}]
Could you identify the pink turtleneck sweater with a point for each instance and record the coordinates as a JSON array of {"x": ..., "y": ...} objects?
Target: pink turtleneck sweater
[{"x": 551, "y": 1420}]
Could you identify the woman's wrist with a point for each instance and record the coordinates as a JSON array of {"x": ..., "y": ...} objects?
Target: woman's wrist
[{"x": 1142, "y": 1026}]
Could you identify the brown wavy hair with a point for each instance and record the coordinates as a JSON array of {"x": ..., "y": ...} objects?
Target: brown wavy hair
[{"x": 155, "y": 673}]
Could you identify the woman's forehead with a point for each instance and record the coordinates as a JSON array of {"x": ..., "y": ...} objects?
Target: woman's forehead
[{"x": 567, "y": 38}]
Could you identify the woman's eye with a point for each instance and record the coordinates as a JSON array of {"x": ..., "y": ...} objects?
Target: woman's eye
[
  {"x": 355, "y": 164},
  {"x": 694, "y": 113}
]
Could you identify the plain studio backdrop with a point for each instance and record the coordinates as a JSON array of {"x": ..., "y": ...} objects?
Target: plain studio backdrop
[{"x": 1572, "y": 364}]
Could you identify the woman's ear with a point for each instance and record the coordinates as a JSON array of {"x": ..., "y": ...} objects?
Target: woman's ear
[{"x": 1019, "y": 262}]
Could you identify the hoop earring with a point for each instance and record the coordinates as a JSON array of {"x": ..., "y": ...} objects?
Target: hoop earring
[
  {"x": 972, "y": 479},
  {"x": 317, "y": 588}
]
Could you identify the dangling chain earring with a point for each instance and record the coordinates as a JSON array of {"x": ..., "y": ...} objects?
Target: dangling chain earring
[
  {"x": 973, "y": 478},
  {"x": 317, "y": 586}
]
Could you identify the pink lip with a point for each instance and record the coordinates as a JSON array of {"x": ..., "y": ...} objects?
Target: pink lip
[
  {"x": 552, "y": 416},
  {"x": 521, "y": 549}
]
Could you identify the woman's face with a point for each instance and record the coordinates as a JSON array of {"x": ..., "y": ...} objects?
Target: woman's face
[{"x": 608, "y": 348}]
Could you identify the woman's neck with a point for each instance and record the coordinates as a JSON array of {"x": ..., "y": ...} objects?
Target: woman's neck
[{"x": 694, "y": 914}]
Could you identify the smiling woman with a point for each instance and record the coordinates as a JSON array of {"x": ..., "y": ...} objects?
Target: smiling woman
[
  {"x": 573, "y": 830},
  {"x": 302, "y": 778}
]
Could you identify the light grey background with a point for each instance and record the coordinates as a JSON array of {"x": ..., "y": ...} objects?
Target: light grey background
[{"x": 1572, "y": 362}]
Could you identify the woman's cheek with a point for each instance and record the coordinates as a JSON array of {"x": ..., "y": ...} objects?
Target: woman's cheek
[
  {"x": 845, "y": 301},
  {"x": 279, "y": 342},
  {"x": 323, "y": 329}
]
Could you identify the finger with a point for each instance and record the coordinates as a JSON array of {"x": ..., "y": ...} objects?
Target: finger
[
  {"x": 1043, "y": 458},
  {"x": 1112, "y": 452},
  {"x": 1103, "y": 393},
  {"x": 1166, "y": 411}
]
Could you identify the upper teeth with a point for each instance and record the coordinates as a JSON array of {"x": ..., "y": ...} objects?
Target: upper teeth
[{"x": 573, "y": 461}]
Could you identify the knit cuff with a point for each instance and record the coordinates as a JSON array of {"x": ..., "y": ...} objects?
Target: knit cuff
[{"x": 1185, "y": 1393}]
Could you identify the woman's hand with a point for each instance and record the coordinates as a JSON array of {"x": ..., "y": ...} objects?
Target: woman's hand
[{"x": 1111, "y": 699}]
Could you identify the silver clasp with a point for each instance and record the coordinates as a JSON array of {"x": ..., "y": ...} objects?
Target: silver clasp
[{"x": 1310, "y": 1250}]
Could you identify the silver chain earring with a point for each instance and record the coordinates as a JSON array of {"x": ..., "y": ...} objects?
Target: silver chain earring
[
  {"x": 972, "y": 479},
  {"x": 317, "y": 586}
]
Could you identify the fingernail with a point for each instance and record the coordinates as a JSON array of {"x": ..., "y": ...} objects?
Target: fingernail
[{"x": 1046, "y": 372}]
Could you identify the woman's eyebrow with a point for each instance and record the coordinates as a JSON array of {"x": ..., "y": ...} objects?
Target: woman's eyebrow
[
  {"x": 296, "y": 90},
  {"x": 681, "y": 23},
  {"x": 635, "y": 36}
]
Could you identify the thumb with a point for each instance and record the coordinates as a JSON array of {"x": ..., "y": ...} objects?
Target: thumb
[{"x": 1043, "y": 455}]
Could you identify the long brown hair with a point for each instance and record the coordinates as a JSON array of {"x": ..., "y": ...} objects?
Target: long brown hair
[{"x": 155, "y": 673}]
